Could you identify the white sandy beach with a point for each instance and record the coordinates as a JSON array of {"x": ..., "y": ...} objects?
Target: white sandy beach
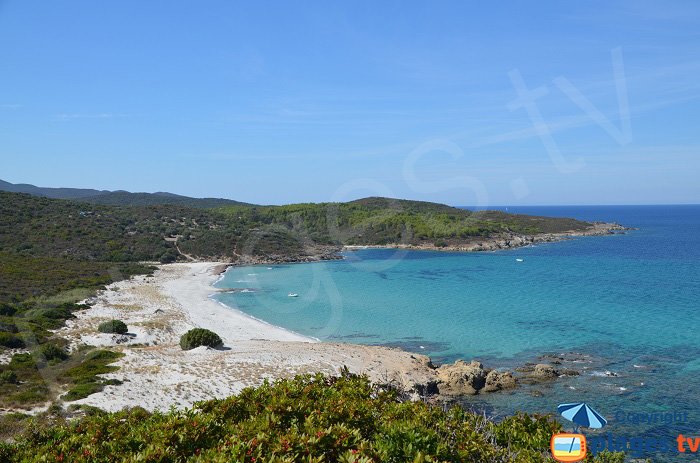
[{"x": 158, "y": 374}]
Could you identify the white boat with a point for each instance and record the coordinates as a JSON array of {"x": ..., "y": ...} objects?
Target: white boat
[
  {"x": 293, "y": 295},
  {"x": 519, "y": 260}
]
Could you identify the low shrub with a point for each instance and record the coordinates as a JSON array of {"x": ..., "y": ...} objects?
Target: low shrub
[
  {"x": 7, "y": 310},
  {"x": 102, "y": 355},
  {"x": 80, "y": 391},
  {"x": 95, "y": 363},
  {"x": 169, "y": 257},
  {"x": 113, "y": 326},
  {"x": 23, "y": 361},
  {"x": 199, "y": 337},
  {"x": 11, "y": 424},
  {"x": 84, "y": 376},
  {"x": 31, "y": 394},
  {"x": 8, "y": 377},
  {"x": 11, "y": 341},
  {"x": 51, "y": 352},
  {"x": 8, "y": 327}
]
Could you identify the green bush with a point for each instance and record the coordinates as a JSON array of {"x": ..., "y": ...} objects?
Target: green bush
[
  {"x": 7, "y": 310},
  {"x": 169, "y": 257},
  {"x": 199, "y": 337},
  {"x": 23, "y": 361},
  {"x": 84, "y": 376},
  {"x": 8, "y": 377},
  {"x": 80, "y": 391},
  {"x": 51, "y": 352},
  {"x": 113, "y": 326},
  {"x": 8, "y": 327},
  {"x": 11, "y": 341},
  {"x": 95, "y": 363}
]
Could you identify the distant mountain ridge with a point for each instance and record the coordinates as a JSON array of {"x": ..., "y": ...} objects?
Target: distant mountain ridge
[
  {"x": 56, "y": 193},
  {"x": 118, "y": 197}
]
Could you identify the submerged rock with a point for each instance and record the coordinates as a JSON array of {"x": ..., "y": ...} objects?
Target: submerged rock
[{"x": 527, "y": 368}]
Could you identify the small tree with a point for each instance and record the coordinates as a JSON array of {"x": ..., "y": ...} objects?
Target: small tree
[
  {"x": 113, "y": 326},
  {"x": 199, "y": 337}
]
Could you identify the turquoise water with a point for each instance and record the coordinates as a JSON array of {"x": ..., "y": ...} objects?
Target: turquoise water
[{"x": 627, "y": 304}]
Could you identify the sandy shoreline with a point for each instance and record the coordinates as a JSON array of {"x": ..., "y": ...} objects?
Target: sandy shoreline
[{"x": 157, "y": 374}]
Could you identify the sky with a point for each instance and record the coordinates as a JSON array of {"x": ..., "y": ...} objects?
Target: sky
[{"x": 465, "y": 103}]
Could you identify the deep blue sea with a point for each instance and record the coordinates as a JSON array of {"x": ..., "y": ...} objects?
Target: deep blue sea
[{"x": 625, "y": 307}]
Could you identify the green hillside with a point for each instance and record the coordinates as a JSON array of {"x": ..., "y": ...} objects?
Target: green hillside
[
  {"x": 377, "y": 221},
  {"x": 116, "y": 198},
  {"x": 44, "y": 227}
]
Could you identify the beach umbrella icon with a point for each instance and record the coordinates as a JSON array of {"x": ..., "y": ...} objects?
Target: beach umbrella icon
[{"x": 581, "y": 414}]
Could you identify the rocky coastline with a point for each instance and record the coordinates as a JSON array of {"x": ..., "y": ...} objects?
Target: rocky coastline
[
  {"x": 508, "y": 240},
  {"x": 502, "y": 241},
  {"x": 469, "y": 378}
]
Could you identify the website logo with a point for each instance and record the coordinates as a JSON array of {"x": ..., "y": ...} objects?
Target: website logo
[{"x": 568, "y": 447}]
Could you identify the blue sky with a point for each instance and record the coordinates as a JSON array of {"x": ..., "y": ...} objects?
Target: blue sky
[{"x": 278, "y": 102}]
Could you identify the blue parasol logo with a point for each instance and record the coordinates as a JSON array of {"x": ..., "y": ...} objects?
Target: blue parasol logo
[{"x": 581, "y": 414}]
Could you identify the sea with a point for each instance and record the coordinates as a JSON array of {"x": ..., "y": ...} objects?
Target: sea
[{"x": 623, "y": 310}]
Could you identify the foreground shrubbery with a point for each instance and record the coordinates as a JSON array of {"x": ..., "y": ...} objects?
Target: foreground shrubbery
[
  {"x": 200, "y": 337},
  {"x": 308, "y": 418}
]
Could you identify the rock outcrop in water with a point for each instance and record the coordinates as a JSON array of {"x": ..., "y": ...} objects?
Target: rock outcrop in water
[
  {"x": 462, "y": 378},
  {"x": 544, "y": 371},
  {"x": 499, "y": 380}
]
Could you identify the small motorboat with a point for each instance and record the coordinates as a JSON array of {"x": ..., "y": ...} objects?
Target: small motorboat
[
  {"x": 519, "y": 260},
  {"x": 292, "y": 295}
]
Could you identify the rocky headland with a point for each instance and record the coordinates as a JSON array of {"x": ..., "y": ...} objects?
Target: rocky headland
[{"x": 506, "y": 240}]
